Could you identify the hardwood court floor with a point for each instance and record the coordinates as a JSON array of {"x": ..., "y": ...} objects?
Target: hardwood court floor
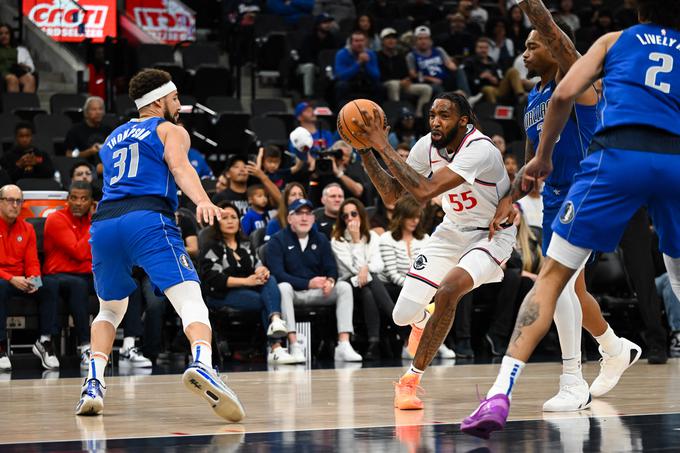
[{"x": 296, "y": 399}]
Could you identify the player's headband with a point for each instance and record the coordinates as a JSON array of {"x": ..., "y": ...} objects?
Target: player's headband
[{"x": 155, "y": 94}]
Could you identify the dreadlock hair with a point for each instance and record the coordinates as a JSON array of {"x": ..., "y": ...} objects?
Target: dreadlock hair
[
  {"x": 660, "y": 12},
  {"x": 462, "y": 104}
]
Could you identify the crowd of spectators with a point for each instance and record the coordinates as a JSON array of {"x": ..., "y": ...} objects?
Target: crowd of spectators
[{"x": 301, "y": 224}]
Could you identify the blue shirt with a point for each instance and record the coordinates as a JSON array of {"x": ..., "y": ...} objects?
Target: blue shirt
[
  {"x": 252, "y": 220},
  {"x": 133, "y": 162},
  {"x": 430, "y": 65},
  {"x": 347, "y": 66},
  {"x": 198, "y": 162},
  {"x": 572, "y": 144},
  {"x": 641, "y": 83}
]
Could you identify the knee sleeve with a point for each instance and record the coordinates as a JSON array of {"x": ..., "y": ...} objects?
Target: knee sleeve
[
  {"x": 112, "y": 311},
  {"x": 188, "y": 302},
  {"x": 407, "y": 311},
  {"x": 673, "y": 268}
]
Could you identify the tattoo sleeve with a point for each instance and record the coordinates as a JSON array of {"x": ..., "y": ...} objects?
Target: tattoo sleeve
[
  {"x": 436, "y": 330},
  {"x": 411, "y": 180},
  {"x": 528, "y": 314},
  {"x": 388, "y": 187}
]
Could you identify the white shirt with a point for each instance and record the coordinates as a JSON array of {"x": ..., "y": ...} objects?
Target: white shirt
[
  {"x": 351, "y": 257},
  {"x": 303, "y": 242},
  {"x": 533, "y": 210},
  {"x": 479, "y": 163}
]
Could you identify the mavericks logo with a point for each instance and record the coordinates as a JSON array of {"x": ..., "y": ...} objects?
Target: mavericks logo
[
  {"x": 185, "y": 261},
  {"x": 420, "y": 262},
  {"x": 567, "y": 212}
]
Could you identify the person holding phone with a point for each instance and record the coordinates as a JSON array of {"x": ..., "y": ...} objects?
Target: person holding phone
[
  {"x": 357, "y": 252},
  {"x": 20, "y": 276},
  {"x": 24, "y": 160}
]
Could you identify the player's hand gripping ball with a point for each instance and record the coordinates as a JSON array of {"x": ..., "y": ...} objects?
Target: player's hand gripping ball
[{"x": 353, "y": 123}]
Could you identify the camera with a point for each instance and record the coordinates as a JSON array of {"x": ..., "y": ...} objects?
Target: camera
[{"x": 324, "y": 163}]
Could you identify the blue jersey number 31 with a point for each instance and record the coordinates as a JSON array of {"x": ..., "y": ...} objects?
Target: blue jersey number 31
[{"x": 120, "y": 157}]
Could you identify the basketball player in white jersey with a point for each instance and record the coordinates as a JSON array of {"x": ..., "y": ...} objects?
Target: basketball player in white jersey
[{"x": 464, "y": 167}]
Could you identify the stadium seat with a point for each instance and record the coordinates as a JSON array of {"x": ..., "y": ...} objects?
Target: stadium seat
[
  {"x": 224, "y": 104},
  {"x": 38, "y": 184},
  {"x": 490, "y": 127},
  {"x": 270, "y": 131},
  {"x": 38, "y": 224},
  {"x": 268, "y": 23},
  {"x": 55, "y": 126},
  {"x": 124, "y": 106},
  {"x": 263, "y": 106},
  {"x": 8, "y": 122},
  {"x": 197, "y": 54},
  {"x": 257, "y": 238},
  {"x": 149, "y": 55},
  {"x": 211, "y": 80},
  {"x": 23, "y": 105},
  {"x": 229, "y": 132},
  {"x": 179, "y": 76},
  {"x": 392, "y": 110},
  {"x": 62, "y": 102},
  {"x": 63, "y": 165}
]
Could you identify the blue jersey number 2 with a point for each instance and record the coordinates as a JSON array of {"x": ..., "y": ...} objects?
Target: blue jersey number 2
[
  {"x": 652, "y": 73},
  {"x": 120, "y": 157}
]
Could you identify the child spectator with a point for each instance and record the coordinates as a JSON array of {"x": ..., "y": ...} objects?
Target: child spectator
[
  {"x": 256, "y": 216},
  {"x": 270, "y": 158},
  {"x": 24, "y": 160}
]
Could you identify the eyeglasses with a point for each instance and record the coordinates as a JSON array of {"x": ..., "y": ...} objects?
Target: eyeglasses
[
  {"x": 305, "y": 212},
  {"x": 16, "y": 201},
  {"x": 352, "y": 214}
]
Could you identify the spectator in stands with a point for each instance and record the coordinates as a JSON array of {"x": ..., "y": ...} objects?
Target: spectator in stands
[
  {"x": 422, "y": 12},
  {"x": 233, "y": 277},
  {"x": 20, "y": 276},
  {"x": 332, "y": 196},
  {"x": 626, "y": 16},
  {"x": 478, "y": 15},
  {"x": 236, "y": 173},
  {"x": 486, "y": 77},
  {"x": 365, "y": 24},
  {"x": 222, "y": 182},
  {"x": 465, "y": 9},
  {"x": 68, "y": 259},
  {"x": 356, "y": 71},
  {"x": 518, "y": 32},
  {"x": 16, "y": 64},
  {"x": 342, "y": 167},
  {"x": 532, "y": 207},
  {"x": 83, "y": 171},
  {"x": 96, "y": 72},
  {"x": 511, "y": 166},
  {"x": 394, "y": 73},
  {"x": 130, "y": 356},
  {"x": 323, "y": 37},
  {"x": 529, "y": 248},
  {"x": 24, "y": 160},
  {"x": 385, "y": 11},
  {"x": 290, "y": 10},
  {"x": 357, "y": 252},
  {"x": 502, "y": 49},
  {"x": 565, "y": 11},
  {"x": 499, "y": 141},
  {"x": 403, "y": 149},
  {"x": 303, "y": 263},
  {"x": 458, "y": 41},
  {"x": 84, "y": 139},
  {"x": 604, "y": 24},
  {"x": 672, "y": 304},
  {"x": 589, "y": 14},
  {"x": 340, "y": 9},
  {"x": 256, "y": 216},
  {"x": 380, "y": 221},
  {"x": 405, "y": 129},
  {"x": 432, "y": 65},
  {"x": 269, "y": 159},
  {"x": 322, "y": 138},
  {"x": 293, "y": 191}
]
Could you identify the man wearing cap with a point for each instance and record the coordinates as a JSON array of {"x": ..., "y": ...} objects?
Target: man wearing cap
[
  {"x": 322, "y": 138},
  {"x": 432, "y": 65},
  {"x": 303, "y": 263},
  {"x": 321, "y": 38},
  {"x": 394, "y": 72},
  {"x": 356, "y": 71}
]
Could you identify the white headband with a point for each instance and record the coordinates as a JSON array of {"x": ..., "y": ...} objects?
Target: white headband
[{"x": 155, "y": 94}]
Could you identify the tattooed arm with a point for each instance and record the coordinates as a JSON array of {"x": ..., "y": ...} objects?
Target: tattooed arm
[{"x": 388, "y": 187}]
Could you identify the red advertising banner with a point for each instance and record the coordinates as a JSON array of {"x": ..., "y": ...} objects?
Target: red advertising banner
[
  {"x": 73, "y": 20},
  {"x": 169, "y": 21}
]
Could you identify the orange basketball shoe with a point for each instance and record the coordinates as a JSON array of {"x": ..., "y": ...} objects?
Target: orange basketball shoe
[{"x": 405, "y": 397}]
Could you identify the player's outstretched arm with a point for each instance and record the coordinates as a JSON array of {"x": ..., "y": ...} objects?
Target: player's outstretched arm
[
  {"x": 388, "y": 187},
  {"x": 176, "y": 140}
]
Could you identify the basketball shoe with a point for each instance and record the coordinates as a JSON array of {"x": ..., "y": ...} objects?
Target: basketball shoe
[
  {"x": 91, "y": 398},
  {"x": 573, "y": 395},
  {"x": 490, "y": 416},
  {"x": 613, "y": 366},
  {"x": 405, "y": 390},
  {"x": 207, "y": 383}
]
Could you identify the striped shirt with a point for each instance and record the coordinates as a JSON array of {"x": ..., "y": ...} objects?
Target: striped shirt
[{"x": 397, "y": 257}]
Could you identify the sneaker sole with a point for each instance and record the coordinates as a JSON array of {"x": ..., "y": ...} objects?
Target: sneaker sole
[
  {"x": 277, "y": 334},
  {"x": 90, "y": 406},
  {"x": 224, "y": 402},
  {"x": 42, "y": 360},
  {"x": 409, "y": 407},
  {"x": 581, "y": 407},
  {"x": 484, "y": 427}
]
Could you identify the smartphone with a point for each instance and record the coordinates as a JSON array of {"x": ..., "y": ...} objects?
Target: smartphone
[
  {"x": 355, "y": 280},
  {"x": 36, "y": 281}
]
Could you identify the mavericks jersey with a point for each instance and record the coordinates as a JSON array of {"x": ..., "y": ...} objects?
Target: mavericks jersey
[
  {"x": 133, "y": 163},
  {"x": 479, "y": 162},
  {"x": 641, "y": 83},
  {"x": 572, "y": 145}
]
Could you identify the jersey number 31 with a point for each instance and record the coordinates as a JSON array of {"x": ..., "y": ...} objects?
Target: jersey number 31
[
  {"x": 652, "y": 73},
  {"x": 120, "y": 162}
]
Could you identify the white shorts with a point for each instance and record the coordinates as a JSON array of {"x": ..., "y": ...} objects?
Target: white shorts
[{"x": 456, "y": 246}]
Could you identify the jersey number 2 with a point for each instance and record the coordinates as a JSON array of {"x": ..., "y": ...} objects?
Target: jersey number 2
[
  {"x": 464, "y": 197},
  {"x": 666, "y": 66},
  {"x": 120, "y": 162}
]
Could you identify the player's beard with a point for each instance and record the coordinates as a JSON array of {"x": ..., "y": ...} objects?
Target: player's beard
[
  {"x": 167, "y": 114},
  {"x": 446, "y": 139}
]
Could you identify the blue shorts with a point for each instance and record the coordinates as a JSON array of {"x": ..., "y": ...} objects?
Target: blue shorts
[
  {"x": 146, "y": 239},
  {"x": 552, "y": 202},
  {"x": 611, "y": 186}
]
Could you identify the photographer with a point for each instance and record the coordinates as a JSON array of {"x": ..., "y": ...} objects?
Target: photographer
[
  {"x": 338, "y": 165},
  {"x": 24, "y": 160}
]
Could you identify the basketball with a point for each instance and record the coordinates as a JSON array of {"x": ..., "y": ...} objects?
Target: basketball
[{"x": 348, "y": 130}]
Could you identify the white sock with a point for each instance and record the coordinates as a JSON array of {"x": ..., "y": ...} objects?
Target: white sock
[
  {"x": 507, "y": 376},
  {"x": 128, "y": 343},
  {"x": 98, "y": 361},
  {"x": 202, "y": 352},
  {"x": 572, "y": 366},
  {"x": 423, "y": 322},
  {"x": 44, "y": 338},
  {"x": 611, "y": 344}
]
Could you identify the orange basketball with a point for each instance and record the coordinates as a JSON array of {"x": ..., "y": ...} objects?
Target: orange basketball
[{"x": 346, "y": 127}]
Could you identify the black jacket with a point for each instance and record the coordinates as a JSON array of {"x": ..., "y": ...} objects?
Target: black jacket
[{"x": 217, "y": 263}]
